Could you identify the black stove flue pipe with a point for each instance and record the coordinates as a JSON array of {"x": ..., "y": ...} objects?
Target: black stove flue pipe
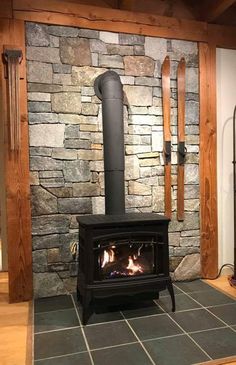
[{"x": 108, "y": 88}]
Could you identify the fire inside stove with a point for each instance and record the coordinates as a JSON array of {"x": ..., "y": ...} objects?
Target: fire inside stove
[{"x": 123, "y": 258}]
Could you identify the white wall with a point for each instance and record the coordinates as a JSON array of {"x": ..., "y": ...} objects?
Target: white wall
[{"x": 226, "y": 100}]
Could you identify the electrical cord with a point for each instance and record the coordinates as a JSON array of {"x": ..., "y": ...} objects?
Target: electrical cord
[{"x": 218, "y": 275}]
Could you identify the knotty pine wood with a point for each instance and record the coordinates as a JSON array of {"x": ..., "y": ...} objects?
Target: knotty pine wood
[
  {"x": 65, "y": 13},
  {"x": 18, "y": 215},
  {"x": 208, "y": 161},
  {"x": 116, "y": 20},
  {"x": 15, "y": 328}
]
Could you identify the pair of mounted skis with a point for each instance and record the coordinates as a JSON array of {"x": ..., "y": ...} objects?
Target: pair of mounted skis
[{"x": 166, "y": 93}]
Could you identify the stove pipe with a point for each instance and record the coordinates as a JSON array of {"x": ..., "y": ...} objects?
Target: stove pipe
[{"x": 108, "y": 88}]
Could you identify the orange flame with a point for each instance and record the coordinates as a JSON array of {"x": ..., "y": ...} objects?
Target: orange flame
[
  {"x": 134, "y": 268},
  {"x": 108, "y": 256}
]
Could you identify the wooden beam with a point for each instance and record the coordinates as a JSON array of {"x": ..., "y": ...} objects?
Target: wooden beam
[
  {"x": 6, "y": 9},
  {"x": 64, "y": 13},
  {"x": 208, "y": 161},
  {"x": 222, "y": 36},
  {"x": 213, "y": 10},
  {"x": 18, "y": 214}
]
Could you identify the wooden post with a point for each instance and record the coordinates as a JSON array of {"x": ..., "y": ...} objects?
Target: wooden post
[
  {"x": 16, "y": 171},
  {"x": 208, "y": 160}
]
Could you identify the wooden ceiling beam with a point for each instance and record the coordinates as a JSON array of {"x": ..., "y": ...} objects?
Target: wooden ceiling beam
[{"x": 212, "y": 11}]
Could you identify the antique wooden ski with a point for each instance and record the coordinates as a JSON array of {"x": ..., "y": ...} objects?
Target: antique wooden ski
[
  {"x": 165, "y": 71},
  {"x": 181, "y": 138}
]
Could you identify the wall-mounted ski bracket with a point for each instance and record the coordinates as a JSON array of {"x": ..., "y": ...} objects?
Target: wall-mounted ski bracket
[
  {"x": 181, "y": 153},
  {"x": 167, "y": 152}
]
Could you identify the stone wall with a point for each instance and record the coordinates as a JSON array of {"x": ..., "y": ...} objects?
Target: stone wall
[{"x": 66, "y": 143}]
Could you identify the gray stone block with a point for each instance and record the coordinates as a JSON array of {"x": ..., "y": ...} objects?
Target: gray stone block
[
  {"x": 192, "y": 112},
  {"x": 77, "y": 143},
  {"x": 120, "y": 50},
  {"x": 52, "y": 182},
  {"x": 131, "y": 39},
  {"x": 109, "y": 37},
  {"x": 137, "y": 201},
  {"x": 85, "y": 76},
  {"x": 89, "y": 33},
  {"x": 147, "y": 81},
  {"x": 39, "y": 72},
  {"x": 44, "y": 88},
  {"x": 139, "y": 66},
  {"x": 39, "y": 97},
  {"x": 43, "y": 242},
  {"x": 63, "y": 192},
  {"x": 40, "y": 151},
  {"x": 54, "y": 41},
  {"x": 44, "y": 163},
  {"x": 191, "y": 174},
  {"x": 113, "y": 61},
  {"x": 36, "y": 34},
  {"x": 139, "y": 50},
  {"x": 156, "y": 48},
  {"x": 43, "y": 54},
  {"x": 138, "y": 95},
  {"x": 131, "y": 167},
  {"x": 61, "y": 79},
  {"x": 98, "y": 46},
  {"x": 89, "y": 109},
  {"x": 72, "y": 131},
  {"x": 86, "y": 189},
  {"x": 66, "y": 102},
  {"x": 75, "y": 51},
  {"x": 39, "y": 261},
  {"x": 62, "y": 31},
  {"x": 77, "y": 171},
  {"x": 50, "y": 173},
  {"x": 47, "y": 135},
  {"x": 50, "y": 224},
  {"x": 61, "y": 69},
  {"x": 47, "y": 285},
  {"x": 64, "y": 154},
  {"x": 39, "y": 106},
  {"x": 42, "y": 202},
  {"x": 75, "y": 205}
]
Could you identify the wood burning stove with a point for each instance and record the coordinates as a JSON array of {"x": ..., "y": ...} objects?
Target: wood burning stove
[{"x": 120, "y": 255}]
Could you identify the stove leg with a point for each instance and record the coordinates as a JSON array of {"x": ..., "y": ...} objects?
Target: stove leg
[
  {"x": 86, "y": 300},
  {"x": 172, "y": 294}
]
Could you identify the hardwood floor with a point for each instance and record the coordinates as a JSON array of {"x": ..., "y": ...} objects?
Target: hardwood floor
[{"x": 15, "y": 328}]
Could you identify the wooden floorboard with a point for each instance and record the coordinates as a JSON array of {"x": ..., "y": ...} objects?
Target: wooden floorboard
[{"x": 15, "y": 328}]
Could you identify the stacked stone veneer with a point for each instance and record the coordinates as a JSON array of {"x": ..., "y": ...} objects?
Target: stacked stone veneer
[{"x": 66, "y": 142}]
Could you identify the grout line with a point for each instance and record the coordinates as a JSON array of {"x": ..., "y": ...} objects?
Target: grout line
[
  {"x": 82, "y": 330},
  {"x": 60, "y": 356},
  {"x": 139, "y": 341},
  {"x": 206, "y": 308},
  {"x": 189, "y": 336},
  {"x": 57, "y": 330},
  {"x": 208, "y": 329},
  {"x": 109, "y": 347},
  {"x": 54, "y": 310},
  {"x": 97, "y": 324}
]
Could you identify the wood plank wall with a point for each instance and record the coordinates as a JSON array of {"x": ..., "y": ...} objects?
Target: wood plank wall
[
  {"x": 208, "y": 160},
  {"x": 17, "y": 203},
  {"x": 17, "y": 172}
]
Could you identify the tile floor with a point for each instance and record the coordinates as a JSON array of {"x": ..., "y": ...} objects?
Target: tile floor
[{"x": 202, "y": 328}]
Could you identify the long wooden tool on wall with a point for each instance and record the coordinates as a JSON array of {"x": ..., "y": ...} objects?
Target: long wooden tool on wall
[
  {"x": 181, "y": 138},
  {"x": 13, "y": 58},
  {"x": 167, "y": 132}
]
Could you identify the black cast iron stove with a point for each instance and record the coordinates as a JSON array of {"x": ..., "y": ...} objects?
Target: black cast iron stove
[{"x": 121, "y": 255}]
